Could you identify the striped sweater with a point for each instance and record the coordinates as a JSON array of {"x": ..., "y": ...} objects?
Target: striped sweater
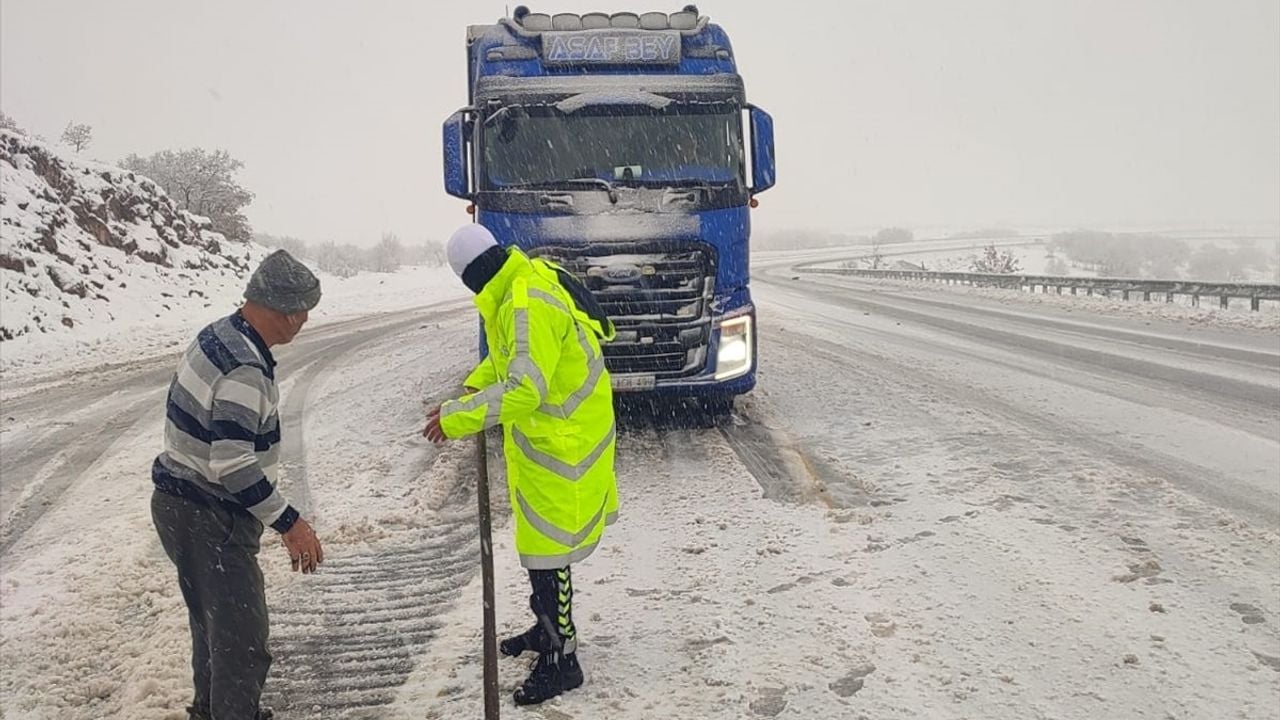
[{"x": 222, "y": 434}]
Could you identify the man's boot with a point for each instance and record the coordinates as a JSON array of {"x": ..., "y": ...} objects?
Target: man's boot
[
  {"x": 553, "y": 673},
  {"x": 516, "y": 645},
  {"x": 556, "y": 670},
  {"x": 534, "y": 638}
]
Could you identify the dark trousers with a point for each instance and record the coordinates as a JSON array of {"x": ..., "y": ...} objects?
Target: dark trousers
[
  {"x": 215, "y": 549},
  {"x": 552, "y": 605}
]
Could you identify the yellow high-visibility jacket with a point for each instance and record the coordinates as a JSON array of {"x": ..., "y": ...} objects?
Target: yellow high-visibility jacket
[{"x": 545, "y": 382}]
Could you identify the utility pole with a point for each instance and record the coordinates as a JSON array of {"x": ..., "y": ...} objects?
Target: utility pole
[{"x": 486, "y": 574}]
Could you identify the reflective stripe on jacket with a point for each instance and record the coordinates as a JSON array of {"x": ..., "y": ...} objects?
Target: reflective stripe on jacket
[{"x": 545, "y": 382}]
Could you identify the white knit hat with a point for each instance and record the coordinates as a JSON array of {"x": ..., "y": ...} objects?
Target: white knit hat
[{"x": 468, "y": 243}]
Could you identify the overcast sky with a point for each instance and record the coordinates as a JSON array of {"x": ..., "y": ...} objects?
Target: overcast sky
[{"x": 940, "y": 113}]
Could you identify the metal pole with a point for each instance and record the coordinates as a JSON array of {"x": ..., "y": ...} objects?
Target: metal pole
[{"x": 486, "y": 573}]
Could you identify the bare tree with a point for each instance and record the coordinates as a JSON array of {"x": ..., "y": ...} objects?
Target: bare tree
[
  {"x": 893, "y": 235},
  {"x": 388, "y": 254},
  {"x": 8, "y": 123},
  {"x": 1211, "y": 262},
  {"x": 429, "y": 252},
  {"x": 203, "y": 183},
  {"x": 292, "y": 245},
  {"x": 1250, "y": 260},
  {"x": 341, "y": 260},
  {"x": 886, "y": 236},
  {"x": 347, "y": 260},
  {"x": 78, "y": 135},
  {"x": 876, "y": 258},
  {"x": 997, "y": 261},
  {"x": 1124, "y": 254}
]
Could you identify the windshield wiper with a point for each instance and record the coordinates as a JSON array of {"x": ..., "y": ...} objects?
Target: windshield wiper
[{"x": 554, "y": 184}]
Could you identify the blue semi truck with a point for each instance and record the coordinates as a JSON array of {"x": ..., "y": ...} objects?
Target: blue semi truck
[{"x": 623, "y": 148}]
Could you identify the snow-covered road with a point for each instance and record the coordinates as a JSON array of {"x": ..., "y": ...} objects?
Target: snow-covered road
[
  {"x": 932, "y": 506},
  {"x": 1199, "y": 408}
]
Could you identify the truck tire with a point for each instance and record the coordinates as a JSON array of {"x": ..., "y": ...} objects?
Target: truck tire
[{"x": 717, "y": 409}]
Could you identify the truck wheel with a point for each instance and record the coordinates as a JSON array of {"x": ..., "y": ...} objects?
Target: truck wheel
[{"x": 717, "y": 409}]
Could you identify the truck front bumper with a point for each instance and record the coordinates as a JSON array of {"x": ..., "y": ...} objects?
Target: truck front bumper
[{"x": 731, "y": 360}]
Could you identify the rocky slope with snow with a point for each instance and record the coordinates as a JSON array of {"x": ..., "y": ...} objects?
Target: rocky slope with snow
[{"x": 87, "y": 249}]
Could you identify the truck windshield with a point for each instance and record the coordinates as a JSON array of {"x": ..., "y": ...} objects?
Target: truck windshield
[{"x": 539, "y": 146}]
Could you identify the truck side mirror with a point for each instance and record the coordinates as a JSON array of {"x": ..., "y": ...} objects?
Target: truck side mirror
[
  {"x": 455, "y": 156},
  {"x": 763, "y": 173}
]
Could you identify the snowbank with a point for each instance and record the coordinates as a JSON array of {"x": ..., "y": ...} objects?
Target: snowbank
[
  {"x": 86, "y": 244},
  {"x": 88, "y": 251},
  {"x": 142, "y": 335},
  {"x": 98, "y": 265}
]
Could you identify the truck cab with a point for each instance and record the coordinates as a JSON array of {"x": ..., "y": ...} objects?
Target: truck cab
[{"x": 623, "y": 148}]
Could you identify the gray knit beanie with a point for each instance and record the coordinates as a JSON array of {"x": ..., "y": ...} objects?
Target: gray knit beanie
[{"x": 283, "y": 284}]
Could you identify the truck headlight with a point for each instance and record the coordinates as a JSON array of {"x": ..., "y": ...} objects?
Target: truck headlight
[{"x": 734, "y": 357}]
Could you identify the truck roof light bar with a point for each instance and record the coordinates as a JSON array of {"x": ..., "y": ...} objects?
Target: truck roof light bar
[
  {"x": 625, "y": 20},
  {"x": 595, "y": 21},
  {"x": 531, "y": 24},
  {"x": 536, "y": 22},
  {"x": 684, "y": 21},
  {"x": 566, "y": 21},
  {"x": 654, "y": 21}
]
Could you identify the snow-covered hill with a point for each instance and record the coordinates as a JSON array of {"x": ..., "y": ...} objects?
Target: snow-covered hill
[{"x": 88, "y": 251}]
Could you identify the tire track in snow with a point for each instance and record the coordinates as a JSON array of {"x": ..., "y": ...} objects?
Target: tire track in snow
[
  {"x": 58, "y": 457},
  {"x": 315, "y": 363},
  {"x": 53, "y": 432},
  {"x": 59, "y": 461},
  {"x": 344, "y": 644},
  {"x": 785, "y": 471},
  {"x": 782, "y": 468}
]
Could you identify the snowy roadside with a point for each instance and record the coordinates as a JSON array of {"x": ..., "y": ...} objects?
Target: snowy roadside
[
  {"x": 92, "y": 625},
  {"x": 1238, "y": 316},
  {"x": 710, "y": 601},
  {"x": 154, "y": 331},
  {"x": 90, "y": 620},
  {"x": 957, "y": 563},
  {"x": 968, "y": 547}
]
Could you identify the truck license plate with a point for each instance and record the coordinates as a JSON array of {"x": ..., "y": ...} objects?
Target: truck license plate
[{"x": 633, "y": 383}]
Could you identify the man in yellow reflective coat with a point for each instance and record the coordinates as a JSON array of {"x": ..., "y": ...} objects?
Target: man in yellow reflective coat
[{"x": 544, "y": 381}]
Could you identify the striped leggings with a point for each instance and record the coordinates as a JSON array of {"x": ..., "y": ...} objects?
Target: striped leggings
[{"x": 552, "y": 604}]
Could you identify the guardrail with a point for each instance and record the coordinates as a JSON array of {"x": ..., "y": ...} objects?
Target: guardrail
[{"x": 1125, "y": 287}]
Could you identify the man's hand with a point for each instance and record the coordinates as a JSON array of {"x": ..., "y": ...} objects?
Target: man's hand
[
  {"x": 304, "y": 547},
  {"x": 433, "y": 431}
]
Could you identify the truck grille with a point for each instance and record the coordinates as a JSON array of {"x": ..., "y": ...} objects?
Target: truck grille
[{"x": 658, "y": 296}]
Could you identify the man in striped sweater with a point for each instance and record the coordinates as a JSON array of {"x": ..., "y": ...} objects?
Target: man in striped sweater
[{"x": 215, "y": 487}]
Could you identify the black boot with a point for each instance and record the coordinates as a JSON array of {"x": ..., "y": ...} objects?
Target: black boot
[
  {"x": 531, "y": 639},
  {"x": 535, "y": 638},
  {"x": 553, "y": 673},
  {"x": 553, "y": 637}
]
